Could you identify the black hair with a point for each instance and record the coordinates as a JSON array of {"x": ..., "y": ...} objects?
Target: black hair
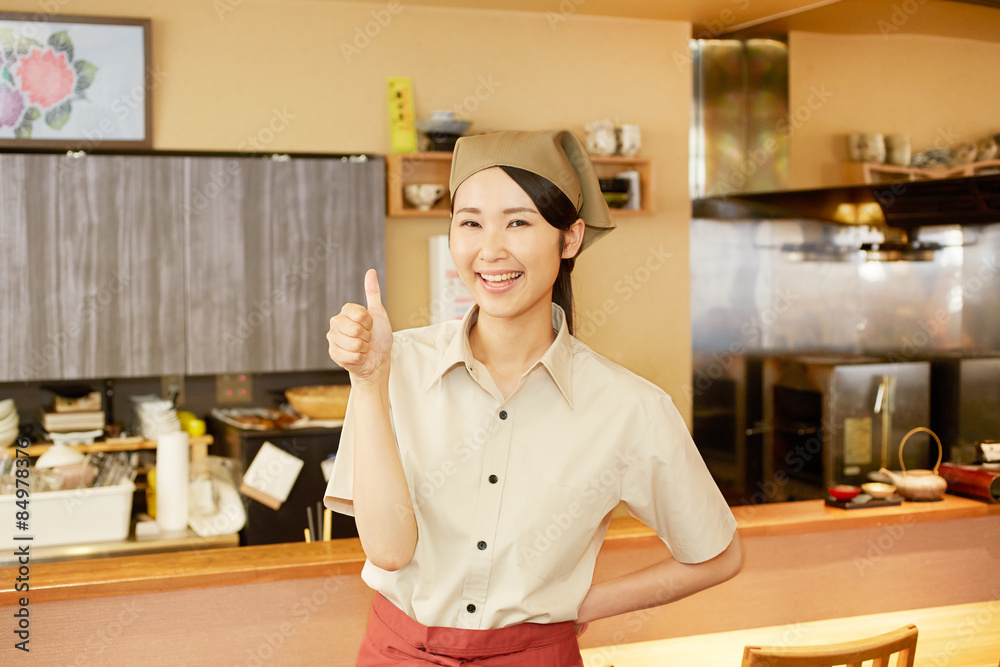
[{"x": 561, "y": 213}]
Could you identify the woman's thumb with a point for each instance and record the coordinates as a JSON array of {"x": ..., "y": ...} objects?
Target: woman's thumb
[{"x": 372, "y": 291}]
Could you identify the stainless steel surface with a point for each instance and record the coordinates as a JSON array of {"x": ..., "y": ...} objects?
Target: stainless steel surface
[
  {"x": 826, "y": 431},
  {"x": 739, "y": 127},
  {"x": 750, "y": 294},
  {"x": 131, "y": 547},
  {"x": 971, "y": 201}
]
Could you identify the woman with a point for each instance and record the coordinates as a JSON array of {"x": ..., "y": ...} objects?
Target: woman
[{"x": 481, "y": 459}]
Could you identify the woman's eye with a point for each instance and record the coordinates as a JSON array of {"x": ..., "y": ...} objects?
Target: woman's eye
[
  {"x": 469, "y": 223},
  {"x": 517, "y": 223}
]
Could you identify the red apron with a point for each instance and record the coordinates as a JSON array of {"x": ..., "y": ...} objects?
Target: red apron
[{"x": 393, "y": 638}]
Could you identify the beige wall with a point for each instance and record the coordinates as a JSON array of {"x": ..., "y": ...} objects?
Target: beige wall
[
  {"x": 939, "y": 90},
  {"x": 223, "y": 76}
]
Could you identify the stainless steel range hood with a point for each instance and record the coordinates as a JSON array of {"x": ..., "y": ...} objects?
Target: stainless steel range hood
[
  {"x": 973, "y": 200},
  {"x": 740, "y": 158}
]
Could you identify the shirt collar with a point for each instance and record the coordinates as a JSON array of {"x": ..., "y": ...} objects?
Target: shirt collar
[{"x": 557, "y": 360}]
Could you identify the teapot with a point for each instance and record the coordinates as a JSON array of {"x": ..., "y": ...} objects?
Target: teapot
[{"x": 918, "y": 484}]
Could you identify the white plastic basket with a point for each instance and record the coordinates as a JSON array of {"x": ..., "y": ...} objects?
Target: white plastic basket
[{"x": 77, "y": 516}]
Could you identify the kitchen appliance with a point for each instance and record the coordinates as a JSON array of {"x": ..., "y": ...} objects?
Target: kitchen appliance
[
  {"x": 835, "y": 419},
  {"x": 728, "y": 410},
  {"x": 965, "y": 393},
  {"x": 286, "y": 524}
]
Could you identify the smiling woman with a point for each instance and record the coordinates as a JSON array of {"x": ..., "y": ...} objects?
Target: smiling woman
[{"x": 482, "y": 458}]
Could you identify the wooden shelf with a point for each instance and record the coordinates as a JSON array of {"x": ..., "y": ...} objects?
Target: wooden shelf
[
  {"x": 404, "y": 169},
  {"x": 867, "y": 173},
  {"x": 110, "y": 445}
]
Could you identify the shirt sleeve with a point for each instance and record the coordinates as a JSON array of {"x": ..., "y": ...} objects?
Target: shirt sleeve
[
  {"x": 668, "y": 487},
  {"x": 339, "y": 495}
]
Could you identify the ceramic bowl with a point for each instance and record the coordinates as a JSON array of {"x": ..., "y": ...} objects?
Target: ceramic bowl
[
  {"x": 443, "y": 126},
  {"x": 878, "y": 489},
  {"x": 613, "y": 184},
  {"x": 844, "y": 491},
  {"x": 423, "y": 195}
]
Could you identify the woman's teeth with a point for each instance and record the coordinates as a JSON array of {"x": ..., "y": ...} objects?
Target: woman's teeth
[{"x": 501, "y": 277}]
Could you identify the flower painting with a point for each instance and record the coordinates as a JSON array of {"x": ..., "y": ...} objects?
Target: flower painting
[{"x": 76, "y": 82}]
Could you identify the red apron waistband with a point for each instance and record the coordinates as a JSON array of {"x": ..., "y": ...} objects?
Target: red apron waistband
[{"x": 392, "y": 629}]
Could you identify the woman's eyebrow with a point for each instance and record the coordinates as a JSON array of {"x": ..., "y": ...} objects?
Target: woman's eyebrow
[
  {"x": 468, "y": 209},
  {"x": 520, "y": 209}
]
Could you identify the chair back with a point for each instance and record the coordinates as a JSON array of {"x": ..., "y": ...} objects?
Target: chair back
[{"x": 877, "y": 649}]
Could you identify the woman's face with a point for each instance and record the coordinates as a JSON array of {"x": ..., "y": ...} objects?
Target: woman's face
[{"x": 507, "y": 254}]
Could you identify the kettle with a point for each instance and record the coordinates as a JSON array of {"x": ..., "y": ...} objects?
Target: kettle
[{"x": 918, "y": 484}]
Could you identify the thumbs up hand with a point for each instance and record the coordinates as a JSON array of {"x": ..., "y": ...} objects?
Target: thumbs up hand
[{"x": 361, "y": 338}]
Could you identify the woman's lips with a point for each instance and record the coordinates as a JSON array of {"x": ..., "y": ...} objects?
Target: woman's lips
[{"x": 499, "y": 282}]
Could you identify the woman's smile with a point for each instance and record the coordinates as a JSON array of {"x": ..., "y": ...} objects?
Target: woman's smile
[{"x": 499, "y": 281}]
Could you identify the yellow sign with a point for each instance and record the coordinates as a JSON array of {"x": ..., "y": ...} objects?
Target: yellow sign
[{"x": 402, "y": 129}]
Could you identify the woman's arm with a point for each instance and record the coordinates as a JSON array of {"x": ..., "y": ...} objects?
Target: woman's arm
[
  {"x": 659, "y": 584},
  {"x": 383, "y": 510},
  {"x": 361, "y": 342}
]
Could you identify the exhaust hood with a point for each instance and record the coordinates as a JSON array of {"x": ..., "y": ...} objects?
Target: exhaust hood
[
  {"x": 906, "y": 205},
  {"x": 740, "y": 159}
]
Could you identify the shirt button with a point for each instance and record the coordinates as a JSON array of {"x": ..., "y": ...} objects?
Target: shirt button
[
  {"x": 471, "y": 609},
  {"x": 493, "y": 479},
  {"x": 503, "y": 414},
  {"x": 481, "y": 545}
]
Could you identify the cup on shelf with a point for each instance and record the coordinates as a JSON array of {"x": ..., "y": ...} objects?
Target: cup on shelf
[
  {"x": 897, "y": 149},
  {"x": 423, "y": 195}
]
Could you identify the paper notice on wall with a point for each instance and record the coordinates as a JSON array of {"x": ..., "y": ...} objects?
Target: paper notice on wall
[
  {"x": 450, "y": 300},
  {"x": 271, "y": 475},
  {"x": 857, "y": 441}
]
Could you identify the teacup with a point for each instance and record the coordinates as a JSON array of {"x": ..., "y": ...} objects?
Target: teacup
[
  {"x": 423, "y": 195},
  {"x": 871, "y": 147},
  {"x": 897, "y": 149}
]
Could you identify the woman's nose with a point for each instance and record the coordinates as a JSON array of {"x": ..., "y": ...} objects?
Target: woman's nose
[{"x": 493, "y": 245}]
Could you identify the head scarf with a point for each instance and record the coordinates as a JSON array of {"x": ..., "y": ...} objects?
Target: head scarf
[{"x": 556, "y": 155}]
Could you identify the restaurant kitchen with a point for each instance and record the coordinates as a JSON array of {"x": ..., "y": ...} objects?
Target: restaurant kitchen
[{"x": 656, "y": 331}]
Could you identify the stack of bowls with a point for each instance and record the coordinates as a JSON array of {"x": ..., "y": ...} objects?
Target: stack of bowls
[{"x": 9, "y": 422}]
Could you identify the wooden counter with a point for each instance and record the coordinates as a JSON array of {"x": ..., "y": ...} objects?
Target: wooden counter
[
  {"x": 964, "y": 634},
  {"x": 805, "y": 562}
]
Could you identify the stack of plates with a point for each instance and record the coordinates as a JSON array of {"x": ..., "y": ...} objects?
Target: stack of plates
[
  {"x": 156, "y": 416},
  {"x": 9, "y": 422}
]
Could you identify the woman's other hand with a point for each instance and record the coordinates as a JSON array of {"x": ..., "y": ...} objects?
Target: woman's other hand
[{"x": 361, "y": 338}]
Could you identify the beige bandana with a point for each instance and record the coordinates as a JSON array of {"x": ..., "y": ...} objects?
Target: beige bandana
[{"x": 556, "y": 155}]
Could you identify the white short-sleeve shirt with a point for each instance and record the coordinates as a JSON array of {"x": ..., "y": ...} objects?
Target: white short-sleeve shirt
[{"x": 513, "y": 496}]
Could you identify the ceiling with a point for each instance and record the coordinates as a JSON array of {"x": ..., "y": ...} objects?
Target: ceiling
[{"x": 971, "y": 19}]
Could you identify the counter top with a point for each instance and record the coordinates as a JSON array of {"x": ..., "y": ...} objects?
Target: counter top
[
  {"x": 957, "y": 635},
  {"x": 238, "y": 565},
  {"x": 133, "y": 546}
]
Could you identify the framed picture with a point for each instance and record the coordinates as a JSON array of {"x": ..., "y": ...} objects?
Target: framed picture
[{"x": 75, "y": 82}]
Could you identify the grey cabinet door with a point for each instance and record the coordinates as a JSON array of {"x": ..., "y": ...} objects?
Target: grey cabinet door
[
  {"x": 99, "y": 247},
  {"x": 324, "y": 228},
  {"x": 275, "y": 249},
  {"x": 27, "y": 223},
  {"x": 223, "y": 197}
]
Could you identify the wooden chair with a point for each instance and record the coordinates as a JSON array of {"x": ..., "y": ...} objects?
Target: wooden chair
[{"x": 878, "y": 649}]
